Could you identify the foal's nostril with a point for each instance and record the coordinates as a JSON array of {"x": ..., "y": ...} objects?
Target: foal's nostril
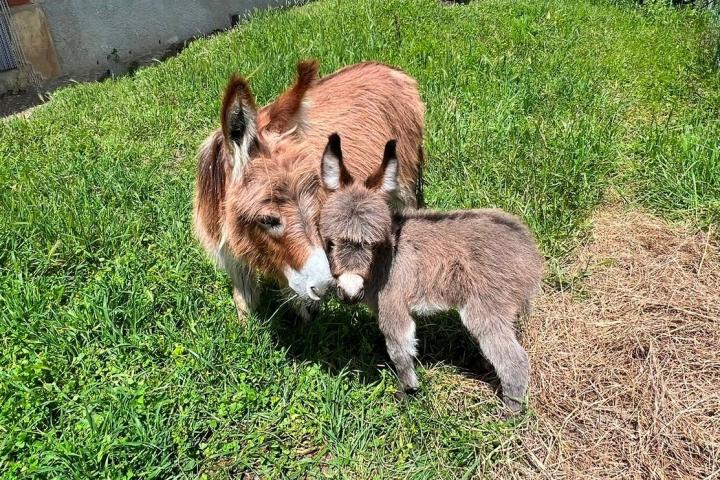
[
  {"x": 345, "y": 298},
  {"x": 316, "y": 291}
]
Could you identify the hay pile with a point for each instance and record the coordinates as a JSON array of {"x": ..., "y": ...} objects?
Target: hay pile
[{"x": 626, "y": 362}]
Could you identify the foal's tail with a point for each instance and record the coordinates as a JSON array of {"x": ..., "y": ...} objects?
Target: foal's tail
[{"x": 526, "y": 308}]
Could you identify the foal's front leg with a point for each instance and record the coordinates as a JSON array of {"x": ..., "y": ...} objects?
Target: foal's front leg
[{"x": 398, "y": 327}]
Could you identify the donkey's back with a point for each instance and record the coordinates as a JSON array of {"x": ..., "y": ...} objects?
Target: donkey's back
[{"x": 367, "y": 103}]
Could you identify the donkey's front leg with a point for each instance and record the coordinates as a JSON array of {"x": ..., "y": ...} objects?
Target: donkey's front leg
[
  {"x": 398, "y": 327},
  {"x": 245, "y": 290}
]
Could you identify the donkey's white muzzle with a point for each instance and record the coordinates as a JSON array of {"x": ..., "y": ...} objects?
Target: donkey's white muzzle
[{"x": 313, "y": 279}]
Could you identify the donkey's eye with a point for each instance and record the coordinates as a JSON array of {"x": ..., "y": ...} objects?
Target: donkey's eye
[
  {"x": 329, "y": 245},
  {"x": 268, "y": 222}
]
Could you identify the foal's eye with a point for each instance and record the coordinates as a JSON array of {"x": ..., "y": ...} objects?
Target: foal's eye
[
  {"x": 270, "y": 223},
  {"x": 329, "y": 245}
]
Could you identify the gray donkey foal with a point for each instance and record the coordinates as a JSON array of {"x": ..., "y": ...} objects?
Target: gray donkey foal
[{"x": 483, "y": 263}]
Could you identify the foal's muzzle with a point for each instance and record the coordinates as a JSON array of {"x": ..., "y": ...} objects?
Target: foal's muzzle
[
  {"x": 345, "y": 298},
  {"x": 350, "y": 288}
]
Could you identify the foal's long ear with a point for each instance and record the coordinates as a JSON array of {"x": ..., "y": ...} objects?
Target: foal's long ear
[
  {"x": 386, "y": 176},
  {"x": 238, "y": 116},
  {"x": 334, "y": 173}
]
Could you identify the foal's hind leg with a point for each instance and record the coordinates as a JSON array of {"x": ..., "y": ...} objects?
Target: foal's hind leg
[
  {"x": 399, "y": 331},
  {"x": 499, "y": 344}
]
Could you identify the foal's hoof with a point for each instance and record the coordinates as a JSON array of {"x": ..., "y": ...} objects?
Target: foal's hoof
[
  {"x": 411, "y": 390},
  {"x": 514, "y": 406},
  {"x": 401, "y": 395}
]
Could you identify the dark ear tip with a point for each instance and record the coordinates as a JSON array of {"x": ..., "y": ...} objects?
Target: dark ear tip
[
  {"x": 334, "y": 144},
  {"x": 308, "y": 67},
  {"x": 235, "y": 83},
  {"x": 390, "y": 148}
]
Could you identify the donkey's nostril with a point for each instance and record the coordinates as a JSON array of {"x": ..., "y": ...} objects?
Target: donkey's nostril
[{"x": 317, "y": 291}]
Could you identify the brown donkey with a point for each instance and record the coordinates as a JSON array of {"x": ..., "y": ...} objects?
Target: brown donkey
[
  {"x": 258, "y": 195},
  {"x": 482, "y": 263}
]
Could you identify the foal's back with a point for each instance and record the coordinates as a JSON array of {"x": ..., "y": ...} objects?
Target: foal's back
[{"x": 448, "y": 257}]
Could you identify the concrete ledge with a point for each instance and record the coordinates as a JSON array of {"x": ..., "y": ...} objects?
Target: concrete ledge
[
  {"x": 87, "y": 40},
  {"x": 107, "y": 36}
]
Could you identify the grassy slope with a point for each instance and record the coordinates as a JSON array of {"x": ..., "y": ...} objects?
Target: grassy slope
[{"x": 119, "y": 353}]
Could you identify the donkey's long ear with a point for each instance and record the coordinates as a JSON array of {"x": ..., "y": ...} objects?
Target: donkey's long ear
[
  {"x": 286, "y": 112},
  {"x": 386, "y": 176},
  {"x": 238, "y": 116},
  {"x": 334, "y": 173}
]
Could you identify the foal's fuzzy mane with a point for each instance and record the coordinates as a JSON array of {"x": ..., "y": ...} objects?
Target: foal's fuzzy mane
[{"x": 356, "y": 215}]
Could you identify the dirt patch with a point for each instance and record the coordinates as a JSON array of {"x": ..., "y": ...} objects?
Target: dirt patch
[
  {"x": 18, "y": 103},
  {"x": 626, "y": 362}
]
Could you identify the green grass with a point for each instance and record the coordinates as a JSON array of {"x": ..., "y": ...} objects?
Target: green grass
[{"x": 120, "y": 355}]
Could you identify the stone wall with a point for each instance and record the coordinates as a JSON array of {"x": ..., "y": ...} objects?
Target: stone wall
[{"x": 85, "y": 39}]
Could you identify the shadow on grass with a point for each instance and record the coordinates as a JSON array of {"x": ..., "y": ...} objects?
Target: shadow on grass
[{"x": 344, "y": 337}]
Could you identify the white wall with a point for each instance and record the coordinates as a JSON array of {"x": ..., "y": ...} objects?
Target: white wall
[{"x": 93, "y": 36}]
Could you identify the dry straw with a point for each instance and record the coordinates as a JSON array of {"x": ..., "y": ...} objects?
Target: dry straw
[{"x": 626, "y": 362}]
